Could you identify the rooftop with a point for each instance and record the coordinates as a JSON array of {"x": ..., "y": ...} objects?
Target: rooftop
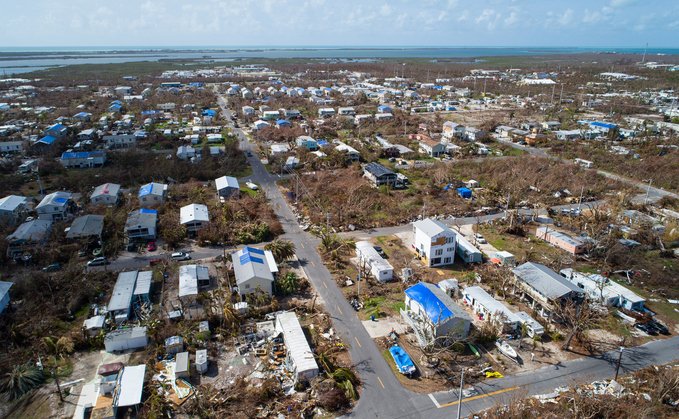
[
  {"x": 436, "y": 303},
  {"x": 544, "y": 280}
]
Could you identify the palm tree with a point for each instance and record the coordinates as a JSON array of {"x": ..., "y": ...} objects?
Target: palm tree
[
  {"x": 282, "y": 250},
  {"x": 20, "y": 380},
  {"x": 289, "y": 283}
]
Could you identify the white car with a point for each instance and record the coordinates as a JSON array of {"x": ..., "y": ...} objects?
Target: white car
[
  {"x": 180, "y": 256},
  {"x": 252, "y": 186},
  {"x": 479, "y": 238},
  {"x": 98, "y": 261}
]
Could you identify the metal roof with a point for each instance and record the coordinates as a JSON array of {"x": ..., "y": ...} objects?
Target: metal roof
[
  {"x": 152, "y": 189},
  {"x": 122, "y": 292},
  {"x": 431, "y": 227},
  {"x": 489, "y": 303},
  {"x": 130, "y": 386},
  {"x": 296, "y": 343},
  {"x": 544, "y": 280},
  {"x": 366, "y": 251},
  {"x": 4, "y": 288},
  {"x": 226, "y": 182},
  {"x": 10, "y": 203},
  {"x": 55, "y": 197},
  {"x": 251, "y": 263},
  {"x": 142, "y": 217},
  {"x": 192, "y": 213},
  {"x": 376, "y": 169},
  {"x": 435, "y": 302},
  {"x": 188, "y": 279},
  {"x": 88, "y": 225},
  {"x": 31, "y": 231},
  {"x": 46, "y": 140},
  {"x": 143, "y": 286},
  {"x": 110, "y": 189}
]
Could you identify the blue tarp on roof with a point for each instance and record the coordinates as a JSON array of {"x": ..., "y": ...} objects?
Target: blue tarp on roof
[
  {"x": 602, "y": 125},
  {"x": 147, "y": 211},
  {"x": 403, "y": 361},
  {"x": 47, "y": 140},
  {"x": 57, "y": 127},
  {"x": 209, "y": 112},
  {"x": 435, "y": 309},
  {"x": 149, "y": 112},
  {"x": 323, "y": 143},
  {"x": 60, "y": 200},
  {"x": 81, "y": 114},
  {"x": 282, "y": 122},
  {"x": 146, "y": 189},
  {"x": 384, "y": 109},
  {"x": 80, "y": 155},
  {"x": 116, "y": 102}
]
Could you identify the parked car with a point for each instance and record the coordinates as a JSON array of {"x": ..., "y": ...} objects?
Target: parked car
[
  {"x": 658, "y": 326},
  {"x": 154, "y": 262},
  {"x": 379, "y": 251},
  {"x": 82, "y": 253},
  {"x": 98, "y": 261},
  {"x": 479, "y": 238},
  {"x": 52, "y": 267},
  {"x": 180, "y": 256},
  {"x": 646, "y": 329},
  {"x": 151, "y": 246}
]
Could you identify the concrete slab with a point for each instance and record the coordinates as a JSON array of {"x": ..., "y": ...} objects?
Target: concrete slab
[
  {"x": 468, "y": 234},
  {"x": 382, "y": 327}
]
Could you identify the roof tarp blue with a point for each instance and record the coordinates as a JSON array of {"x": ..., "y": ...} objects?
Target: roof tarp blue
[
  {"x": 147, "y": 211},
  {"x": 146, "y": 189},
  {"x": 403, "y": 361},
  {"x": 81, "y": 155},
  {"x": 47, "y": 140},
  {"x": 254, "y": 250},
  {"x": 434, "y": 307}
]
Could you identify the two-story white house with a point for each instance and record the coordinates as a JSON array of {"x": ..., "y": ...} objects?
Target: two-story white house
[
  {"x": 452, "y": 130},
  {"x": 55, "y": 206},
  {"x": 116, "y": 140},
  {"x": 194, "y": 217},
  {"x": 434, "y": 243},
  {"x": 13, "y": 209}
]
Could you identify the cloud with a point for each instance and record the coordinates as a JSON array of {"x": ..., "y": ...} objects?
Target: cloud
[
  {"x": 511, "y": 19},
  {"x": 463, "y": 16},
  {"x": 485, "y": 16},
  {"x": 591, "y": 17},
  {"x": 386, "y": 10},
  {"x": 621, "y": 3},
  {"x": 566, "y": 18}
]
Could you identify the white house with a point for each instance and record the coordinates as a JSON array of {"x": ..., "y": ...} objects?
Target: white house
[
  {"x": 152, "y": 194},
  {"x": 453, "y": 130},
  {"x": 106, "y": 194},
  {"x": 186, "y": 152},
  {"x": 542, "y": 286},
  {"x": 248, "y": 110},
  {"x": 603, "y": 290},
  {"x": 487, "y": 308},
  {"x": 350, "y": 153},
  {"x": 379, "y": 268},
  {"x": 191, "y": 279},
  {"x": 298, "y": 356},
  {"x": 194, "y": 217},
  {"x": 227, "y": 186},
  {"x": 120, "y": 305},
  {"x": 123, "y": 339},
  {"x": 433, "y": 314},
  {"x": 431, "y": 147},
  {"x": 13, "y": 209},
  {"x": 55, "y": 206},
  {"x": 11, "y": 147},
  {"x": 118, "y": 140},
  {"x": 434, "y": 242},
  {"x": 83, "y": 159},
  {"x": 254, "y": 268}
]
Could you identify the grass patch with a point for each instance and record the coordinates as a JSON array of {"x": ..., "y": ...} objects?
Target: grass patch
[
  {"x": 390, "y": 360},
  {"x": 244, "y": 189}
]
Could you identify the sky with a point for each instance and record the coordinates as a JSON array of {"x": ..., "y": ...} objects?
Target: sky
[{"x": 224, "y": 23}]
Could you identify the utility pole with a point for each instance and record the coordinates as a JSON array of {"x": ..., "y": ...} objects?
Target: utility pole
[
  {"x": 618, "y": 367},
  {"x": 580, "y": 201},
  {"x": 405, "y": 131},
  {"x": 459, "y": 398},
  {"x": 561, "y": 95},
  {"x": 424, "y": 206},
  {"x": 648, "y": 190},
  {"x": 643, "y": 59},
  {"x": 552, "y": 100}
]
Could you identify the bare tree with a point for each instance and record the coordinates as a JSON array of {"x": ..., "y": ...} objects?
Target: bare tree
[{"x": 577, "y": 319}]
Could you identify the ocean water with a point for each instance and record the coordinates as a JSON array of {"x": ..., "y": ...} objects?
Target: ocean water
[{"x": 15, "y": 60}]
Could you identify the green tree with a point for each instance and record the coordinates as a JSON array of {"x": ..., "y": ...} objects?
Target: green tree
[
  {"x": 289, "y": 283},
  {"x": 20, "y": 380}
]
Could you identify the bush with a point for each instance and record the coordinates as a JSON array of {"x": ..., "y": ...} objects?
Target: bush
[{"x": 333, "y": 399}]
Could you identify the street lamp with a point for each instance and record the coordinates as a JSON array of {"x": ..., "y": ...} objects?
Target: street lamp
[
  {"x": 459, "y": 399},
  {"x": 618, "y": 367}
]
